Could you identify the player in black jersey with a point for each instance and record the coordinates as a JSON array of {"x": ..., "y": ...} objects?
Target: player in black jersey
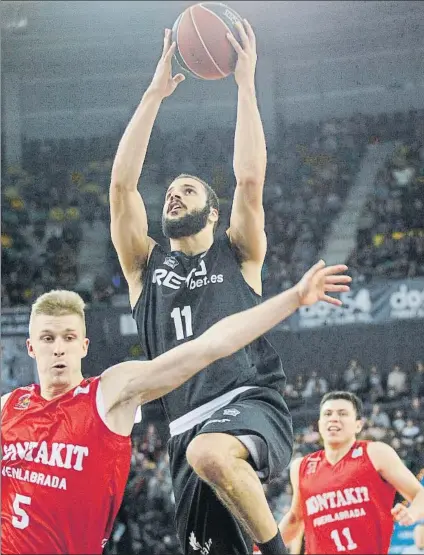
[{"x": 230, "y": 426}]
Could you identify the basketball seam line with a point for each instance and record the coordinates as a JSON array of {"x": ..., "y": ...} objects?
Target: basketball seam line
[
  {"x": 184, "y": 60},
  {"x": 219, "y": 19},
  {"x": 204, "y": 45}
]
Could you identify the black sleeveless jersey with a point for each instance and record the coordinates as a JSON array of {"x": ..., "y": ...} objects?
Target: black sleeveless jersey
[{"x": 182, "y": 297}]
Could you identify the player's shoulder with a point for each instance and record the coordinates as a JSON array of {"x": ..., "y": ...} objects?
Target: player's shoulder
[
  {"x": 378, "y": 447},
  {"x": 296, "y": 464},
  {"x": 87, "y": 385},
  {"x": 294, "y": 470},
  {"x": 90, "y": 380},
  {"x": 380, "y": 453},
  {"x": 299, "y": 463},
  {"x": 309, "y": 463},
  {"x": 158, "y": 255},
  {"x": 382, "y": 456},
  {"x": 314, "y": 456},
  {"x": 21, "y": 391}
]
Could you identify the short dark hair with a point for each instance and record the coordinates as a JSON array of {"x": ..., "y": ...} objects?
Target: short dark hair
[{"x": 346, "y": 396}]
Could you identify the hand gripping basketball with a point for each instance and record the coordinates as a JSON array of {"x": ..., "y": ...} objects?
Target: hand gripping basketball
[
  {"x": 163, "y": 83},
  {"x": 320, "y": 280},
  {"x": 246, "y": 53}
]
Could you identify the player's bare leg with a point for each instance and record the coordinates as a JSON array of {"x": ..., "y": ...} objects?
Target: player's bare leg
[{"x": 221, "y": 461}]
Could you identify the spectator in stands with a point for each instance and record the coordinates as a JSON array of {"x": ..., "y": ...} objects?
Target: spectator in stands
[
  {"x": 311, "y": 435},
  {"x": 379, "y": 418},
  {"x": 417, "y": 381},
  {"x": 5, "y": 298},
  {"x": 351, "y": 373},
  {"x": 373, "y": 432},
  {"x": 359, "y": 383},
  {"x": 102, "y": 293},
  {"x": 299, "y": 384},
  {"x": 292, "y": 396},
  {"x": 315, "y": 386},
  {"x": 376, "y": 391},
  {"x": 402, "y": 171},
  {"x": 410, "y": 432},
  {"x": 399, "y": 421},
  {"x": 416, "y": 412},
  {"x": 396, "y": 382}
]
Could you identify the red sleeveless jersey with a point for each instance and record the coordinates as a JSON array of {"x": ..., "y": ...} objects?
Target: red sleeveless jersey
[
  {"x": 346, "y": 507},
  {"x": 63, "y": 472}
]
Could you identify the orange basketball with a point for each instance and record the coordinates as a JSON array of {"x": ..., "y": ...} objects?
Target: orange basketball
[{"x": 203, "y": 49}]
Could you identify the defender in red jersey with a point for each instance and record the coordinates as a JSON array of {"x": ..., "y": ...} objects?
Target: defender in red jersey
[
  {"x": 65, "y": 443},
  {"x": 343, "y": 495}
]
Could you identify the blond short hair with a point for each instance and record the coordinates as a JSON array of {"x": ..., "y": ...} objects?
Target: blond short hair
[{"x": 58, "y": 303}]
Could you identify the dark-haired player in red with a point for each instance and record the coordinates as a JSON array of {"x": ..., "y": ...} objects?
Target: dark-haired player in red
[
  {"x": 65, "y": 443},
  {"x": 343, "y": 495}
]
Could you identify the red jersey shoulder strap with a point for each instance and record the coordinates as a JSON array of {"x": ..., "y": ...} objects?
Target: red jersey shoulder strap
[
  {"x": 310, "y": 459},
  {"x": 17, "y": 398}
]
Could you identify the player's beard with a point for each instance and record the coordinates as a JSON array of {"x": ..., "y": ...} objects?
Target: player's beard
[{"x": 187, "y": 225}]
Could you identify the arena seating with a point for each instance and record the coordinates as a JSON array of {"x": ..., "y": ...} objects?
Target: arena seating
[
  {"x": 390, "y": 241},
  {"x": 60, "y": 195}
]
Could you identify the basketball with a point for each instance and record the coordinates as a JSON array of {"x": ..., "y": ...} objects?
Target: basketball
[{"x": 200, "y": 33}]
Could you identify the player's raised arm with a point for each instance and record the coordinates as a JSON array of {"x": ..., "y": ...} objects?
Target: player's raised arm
[
  {"x": 247, "y": 217},
  {"x": 291, "y": 525},
  {"x": 129, "y": 228},
  {"x": 388, "y": 463},
  {"x": 129, "y": 384}
]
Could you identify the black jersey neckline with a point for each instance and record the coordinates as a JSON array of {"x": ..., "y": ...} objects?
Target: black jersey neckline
[{"x": 189, "y": 256}]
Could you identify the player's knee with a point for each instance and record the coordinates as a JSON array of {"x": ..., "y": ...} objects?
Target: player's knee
[{"x": 207, "y": 460}]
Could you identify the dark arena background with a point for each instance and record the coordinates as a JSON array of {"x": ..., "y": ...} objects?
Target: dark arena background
[{"x": 341, "y": 92}]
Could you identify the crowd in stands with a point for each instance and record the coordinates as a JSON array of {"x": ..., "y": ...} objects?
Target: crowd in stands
[
  {"x": 46, "y": 205},
  {"x": 145, "y": 522},
  {"x": 308, "y": 179},
  {"x": 390, "y": 241},
  {"x": 60, "y": 193}
]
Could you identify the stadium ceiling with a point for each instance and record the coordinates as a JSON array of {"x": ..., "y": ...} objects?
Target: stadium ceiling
[{"x": 48, "y": 38}]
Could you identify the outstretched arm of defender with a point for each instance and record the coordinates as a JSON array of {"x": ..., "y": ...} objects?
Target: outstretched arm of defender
[
  {"x": 129, "y": 227},
  {"x": 292, "y": 525},
  {"x": 140, "y": 382}
]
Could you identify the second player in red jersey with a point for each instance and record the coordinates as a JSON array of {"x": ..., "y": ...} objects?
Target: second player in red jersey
[
  {"x": 343, "y": 495},
  {"x": 354, "y": 505},
  {"x": 65, "y": 443}
]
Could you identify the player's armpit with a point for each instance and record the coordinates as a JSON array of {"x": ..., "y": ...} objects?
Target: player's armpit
[
  {"x": 120, "y": 407},
  {"x": 388, "y": 463},
  {"x": 291, "y": 526}
]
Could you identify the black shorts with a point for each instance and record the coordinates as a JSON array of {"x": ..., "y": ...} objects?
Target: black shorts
[{"x": 260, "y": 419}]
